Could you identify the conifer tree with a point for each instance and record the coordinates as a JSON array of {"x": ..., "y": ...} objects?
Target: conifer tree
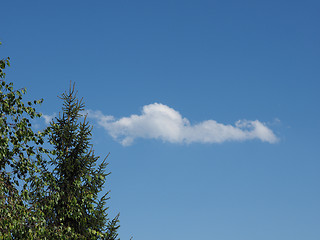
[{"x": 70, "y": 202}]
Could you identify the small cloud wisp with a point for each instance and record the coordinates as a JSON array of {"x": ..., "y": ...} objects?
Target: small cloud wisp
[
  {"x": 158, "y": 121},
  {"x": 48, "y": 118}
]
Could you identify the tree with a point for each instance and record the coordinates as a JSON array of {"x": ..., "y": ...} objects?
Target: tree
[
  {"x": 19, "y": 159},
  {"x": 71, "y": 203},
  {"x": 39, "y": 201}
]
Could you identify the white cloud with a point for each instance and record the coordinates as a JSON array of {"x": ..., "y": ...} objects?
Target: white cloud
[
  {"x": 48, "y": 118},
  {"x": 158, "y": 121}
]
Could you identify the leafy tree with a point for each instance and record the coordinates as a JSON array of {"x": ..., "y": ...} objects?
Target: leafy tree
[
  {"x": 19, "y": 159},
  {"x": 71, "y": 203}
]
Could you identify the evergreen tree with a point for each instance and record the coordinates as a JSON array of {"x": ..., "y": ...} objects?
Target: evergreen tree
[{"x": 70, "y": 202}]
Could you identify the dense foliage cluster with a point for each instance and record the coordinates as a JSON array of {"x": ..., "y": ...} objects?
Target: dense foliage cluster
[{"x": 49, "y": 192}]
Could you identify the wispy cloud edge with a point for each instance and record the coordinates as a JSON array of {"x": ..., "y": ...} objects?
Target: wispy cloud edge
[{"x": 48, "y": 118}]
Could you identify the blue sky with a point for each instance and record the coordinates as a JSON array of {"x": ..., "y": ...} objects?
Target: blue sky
[{"x": 173, "y": 78}]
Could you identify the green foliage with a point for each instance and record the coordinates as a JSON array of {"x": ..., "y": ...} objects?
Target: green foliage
[
  {"x": 49, "y": 194},
  {"x": 75, "y": 182},
  {"x": 20, "y": 149}
]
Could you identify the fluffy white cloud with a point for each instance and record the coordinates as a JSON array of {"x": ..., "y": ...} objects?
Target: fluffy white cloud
[{"x": 158, "y": 121}]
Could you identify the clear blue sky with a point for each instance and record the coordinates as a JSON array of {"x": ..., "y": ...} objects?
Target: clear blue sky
[{"x": 182, "y": 168}]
